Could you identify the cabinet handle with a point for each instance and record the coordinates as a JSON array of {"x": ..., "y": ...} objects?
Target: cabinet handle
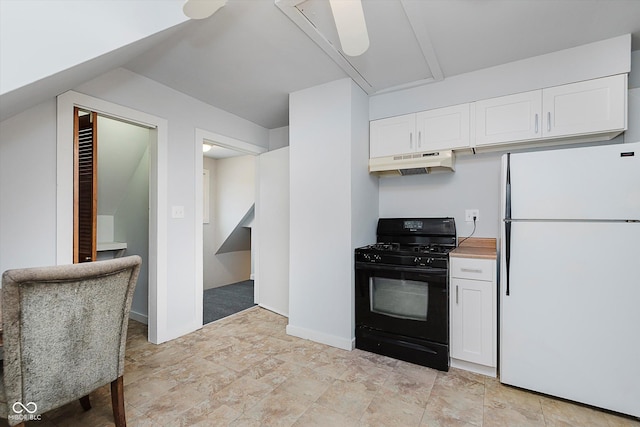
[
  {"x": 536, "y": 123},
  {"x": 419, "y": 139},
  {"x": 549, "y": 121},
  {"x": 471, "y": 270},
  {"x": 411, "y": 140},
  {"x": 456, "y": 294}
]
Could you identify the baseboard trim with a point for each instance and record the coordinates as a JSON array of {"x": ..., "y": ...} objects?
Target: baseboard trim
[
  {"x": 280, "y": 312},
  {"x": 489, "y": 371},
  {"x": 139, "y": 317},
  {"x": 322, "y": 338}
]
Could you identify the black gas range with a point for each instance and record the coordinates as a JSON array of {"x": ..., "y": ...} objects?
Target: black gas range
[{"x": 402, "y": 290}]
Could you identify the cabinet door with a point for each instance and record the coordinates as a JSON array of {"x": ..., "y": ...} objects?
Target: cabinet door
[
  {"x": 443, "y": 128},
  {"x": 472, "y": 321},
  {"x": 394, "y": 135},
  {"x": 509, "y": 118},
  {"x": 586, "y": 107}
]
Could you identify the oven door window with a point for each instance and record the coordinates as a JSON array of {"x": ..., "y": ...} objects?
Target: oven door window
[{"x": 400, "y": 298}]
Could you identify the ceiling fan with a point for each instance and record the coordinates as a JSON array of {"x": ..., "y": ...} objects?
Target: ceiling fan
[{"x": 347, "y": 14}]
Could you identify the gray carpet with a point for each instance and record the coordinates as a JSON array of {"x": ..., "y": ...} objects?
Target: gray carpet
[{"x": 227, "y": 300}]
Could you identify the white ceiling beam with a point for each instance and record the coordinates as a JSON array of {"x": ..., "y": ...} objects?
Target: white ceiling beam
[
  {"x": 288, "y": 7},
  {"x": 414, "y": 13}
]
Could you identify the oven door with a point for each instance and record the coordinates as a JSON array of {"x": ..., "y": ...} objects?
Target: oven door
[{"x": 403, "y": 300}]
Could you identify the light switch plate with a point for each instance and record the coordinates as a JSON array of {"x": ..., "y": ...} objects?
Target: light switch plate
[{"x": 177, "y": 211}]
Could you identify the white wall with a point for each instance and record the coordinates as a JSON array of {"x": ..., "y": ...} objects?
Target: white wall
[
  {"x": 272, "y": 215},
  {"x": 26, "y": 172},
  {"x": 131, "y": 225},
  {"x": 232, "y": 193},
  {"x": 364, "y": 188},
  {"x": 184, "y": 115},
  {"x": 234, "y": 182},
  {"x": 634, "y": 77},
  {"x": 120, "y": 147},
  {"x": 28, "y": 188},
  {"x": 328, "y": 130},
  {"x": 123, "y": 194},
  {"x": 278, "y": 138},
  {"x": 476, "y": 182},
  {"x": 474, "y": 185}
]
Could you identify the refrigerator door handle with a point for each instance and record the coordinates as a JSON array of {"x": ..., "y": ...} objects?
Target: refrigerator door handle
[{"x": 507, "y": 223}]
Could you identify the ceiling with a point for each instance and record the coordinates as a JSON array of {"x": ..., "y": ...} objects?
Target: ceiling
[{"x": 248, "y": 56}]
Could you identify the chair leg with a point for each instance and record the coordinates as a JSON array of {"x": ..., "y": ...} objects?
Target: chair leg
[
  {"x": 85, "y": 402},
  {"x": 117, "y": 402}
]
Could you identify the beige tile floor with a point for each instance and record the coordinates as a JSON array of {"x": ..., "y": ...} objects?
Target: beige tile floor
[{"x": 245, "y": 371}]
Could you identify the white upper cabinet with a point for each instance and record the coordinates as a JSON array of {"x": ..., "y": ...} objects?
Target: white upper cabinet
[
  {"x": 394, "y": 135},
  {"x": 592, "y": 110},
  {"x": 443, "y": 128},
  {"x": 588, "y": 107},
  {"x": 440, "y": 129},
  {"x": 596, "y": 108},
  {"x": 509, "y": 118}
]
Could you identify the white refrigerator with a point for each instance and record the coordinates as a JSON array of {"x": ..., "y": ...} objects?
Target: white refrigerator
[{"x": 570, "y": 274}]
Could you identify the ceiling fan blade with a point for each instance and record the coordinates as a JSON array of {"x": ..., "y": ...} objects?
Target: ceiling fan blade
[
  {"x": 201, "y": 9},
  {"x": 351, "y": 26}
]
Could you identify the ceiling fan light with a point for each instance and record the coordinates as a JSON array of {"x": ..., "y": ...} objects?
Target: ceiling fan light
[
  {"x": 201, "y": 9},
  {"x": 351, "y": 26}
]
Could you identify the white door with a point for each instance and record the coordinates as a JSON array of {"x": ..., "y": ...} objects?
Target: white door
[
  {"x": 272, "y": 214},
  {"x": 393, "y": 135},
  {"x": 586, "y": 107},
  {"x": 443, "y": 128},
  {"x": 577, "y": 183},
  {"x": 509, "y": 118},
  {"x": 569, "y": 326}
]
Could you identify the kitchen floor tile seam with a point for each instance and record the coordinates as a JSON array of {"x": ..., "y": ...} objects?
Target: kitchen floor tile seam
[
  {"x": 270, "y": 395},
  {"x": 386, "y": 396},
  {"x": 487, "y": 407}
]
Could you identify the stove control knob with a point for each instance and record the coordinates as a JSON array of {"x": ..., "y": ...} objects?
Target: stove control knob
[
  {"x": 377, "y": 257},
  {"x": 417, "y": 260}
]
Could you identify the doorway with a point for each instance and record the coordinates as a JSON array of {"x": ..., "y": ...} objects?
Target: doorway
[
  {"x": 229, "y": 207},
  {"x": 123, "y": 200},
  {"x": 226, "y": 222},
  {"x": 158, "y": 178}
]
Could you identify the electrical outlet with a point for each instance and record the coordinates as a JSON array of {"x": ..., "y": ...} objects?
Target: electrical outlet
[{"x": 470, "y": 213}]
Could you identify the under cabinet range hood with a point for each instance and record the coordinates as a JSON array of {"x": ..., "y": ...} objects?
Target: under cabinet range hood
[{"x": 413, "y": 164}]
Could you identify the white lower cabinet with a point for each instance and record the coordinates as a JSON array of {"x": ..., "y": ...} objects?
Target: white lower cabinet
[{"x": 473, "y": 315}]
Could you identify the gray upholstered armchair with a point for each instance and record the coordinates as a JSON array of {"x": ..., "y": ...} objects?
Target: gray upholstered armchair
[{"x": 64, "y": 333}]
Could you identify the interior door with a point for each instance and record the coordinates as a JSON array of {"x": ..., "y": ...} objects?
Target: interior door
[
  {"x": 272, "y": 213},
  {"x": 85, "y": 185}
]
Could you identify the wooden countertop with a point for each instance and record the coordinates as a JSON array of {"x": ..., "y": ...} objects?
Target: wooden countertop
[{"x": 475, "y": 247}]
